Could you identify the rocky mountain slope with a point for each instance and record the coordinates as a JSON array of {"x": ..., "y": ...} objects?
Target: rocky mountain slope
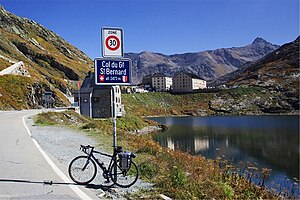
[
  {"x": 207, "y": 64},
  {"x": 52, "y": 62},
  {"x": 278, "y": 73},
  {"x": 279, "y": 69}
]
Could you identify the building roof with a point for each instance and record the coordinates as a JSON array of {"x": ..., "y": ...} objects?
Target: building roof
[
  {"x": 159, "y": 75},
  {"x": 89, "y": 83},
  {"x": 189, "y": 74},
  {"x": 148, "y": 76}
]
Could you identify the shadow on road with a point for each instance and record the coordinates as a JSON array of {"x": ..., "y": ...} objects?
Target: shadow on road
[{"x": 49, "y": 182}]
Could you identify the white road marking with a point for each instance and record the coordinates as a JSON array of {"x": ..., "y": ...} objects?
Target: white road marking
[{"x": 75, "y": 188}]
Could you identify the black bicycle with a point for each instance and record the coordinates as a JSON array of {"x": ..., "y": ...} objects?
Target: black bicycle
[{"x": 121, "y": 170}]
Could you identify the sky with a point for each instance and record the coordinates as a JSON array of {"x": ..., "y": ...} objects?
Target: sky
[{"x": 166, "y": 26}]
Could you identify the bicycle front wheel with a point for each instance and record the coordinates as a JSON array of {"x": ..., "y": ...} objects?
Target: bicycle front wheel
[
  {"x": 124, "y": 178},
  {"x": 82, "y": 170}
]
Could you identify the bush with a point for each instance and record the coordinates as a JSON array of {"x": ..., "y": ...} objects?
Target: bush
[
  {"x": 228, "y": 191},
  {"x": 89, "y": 126},
  {"x": 178, "y": 177},
  {"x": 148, "y": 169}
]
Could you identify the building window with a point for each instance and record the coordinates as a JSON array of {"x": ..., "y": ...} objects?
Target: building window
[{"x": 96, "y": 99}]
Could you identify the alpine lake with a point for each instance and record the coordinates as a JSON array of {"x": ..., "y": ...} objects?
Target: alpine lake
[{"x": 265, "y": 141}]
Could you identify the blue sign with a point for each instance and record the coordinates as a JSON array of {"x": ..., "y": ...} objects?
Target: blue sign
[{"x": 110, "y": 71}]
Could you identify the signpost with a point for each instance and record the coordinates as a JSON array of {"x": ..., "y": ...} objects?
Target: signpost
[
  {"x": 112, "y": 42},
  {"x": 112, "y": 69}
]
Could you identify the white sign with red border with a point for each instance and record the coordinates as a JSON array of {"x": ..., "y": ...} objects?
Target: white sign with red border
[{"x": 112, "y": 42}]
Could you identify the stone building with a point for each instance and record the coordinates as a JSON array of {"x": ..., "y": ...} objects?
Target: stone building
[
  {"x": 187, "y": 82},
  {"x": 161, "y": 82},
  {"x": 96, "y": 101}
]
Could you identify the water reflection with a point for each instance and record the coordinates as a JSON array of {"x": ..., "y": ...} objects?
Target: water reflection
[
  {"x": 200, "y": 144},
  {"x": 270, "y": 141}
]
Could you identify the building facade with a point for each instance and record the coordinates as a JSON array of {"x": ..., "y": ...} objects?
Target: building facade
[
  {"x": 96, "y": 101},
  {"x": 187, "y": 82},
  {"x": 161, "y": 82}
]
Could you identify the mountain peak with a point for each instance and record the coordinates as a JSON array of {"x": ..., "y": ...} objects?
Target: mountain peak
[{"x": 259, "y": 40}]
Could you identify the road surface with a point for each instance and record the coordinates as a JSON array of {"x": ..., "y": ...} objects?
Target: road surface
[{"x": 24, "y": 166}]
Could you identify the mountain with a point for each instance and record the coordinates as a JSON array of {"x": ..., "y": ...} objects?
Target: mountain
[
  {"x": 53, "y": 63},
  {"x": 278, "y": 71},
  {"x": 209, "y": 65}
]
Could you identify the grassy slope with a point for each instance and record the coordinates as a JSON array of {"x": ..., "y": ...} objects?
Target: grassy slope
[
  {"x": 16, "y": 92},
  {"x": 13, "y": 90},
  {"x": 158, "y": 103},
  {"x": 149, "y": 104},
  {"x": 41, "y": 72}
]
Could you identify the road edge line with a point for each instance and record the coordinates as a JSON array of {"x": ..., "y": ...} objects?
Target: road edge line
[{"x": 58, "y": 172}]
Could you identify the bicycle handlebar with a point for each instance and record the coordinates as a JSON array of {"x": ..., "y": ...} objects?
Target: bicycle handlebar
[{"x": 85, "y": 149}]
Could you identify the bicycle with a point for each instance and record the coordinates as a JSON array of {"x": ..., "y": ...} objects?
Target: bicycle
[{"x": 121, "y": 170}]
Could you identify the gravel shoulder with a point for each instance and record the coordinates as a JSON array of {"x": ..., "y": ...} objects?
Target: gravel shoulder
[{"x": 62, "y": 144}]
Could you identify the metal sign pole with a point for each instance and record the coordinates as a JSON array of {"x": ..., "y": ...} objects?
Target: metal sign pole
[
  {"x": 114, "y": 116},
  {"x": 115, "y": 128}
]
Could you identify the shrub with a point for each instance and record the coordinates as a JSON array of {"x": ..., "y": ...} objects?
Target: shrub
[
  {"x": 228, "y": 191},
  {"x": 178, "y": 177},
  {"x": 89, "y": 126},
  {"x": 148, "y": 169}
]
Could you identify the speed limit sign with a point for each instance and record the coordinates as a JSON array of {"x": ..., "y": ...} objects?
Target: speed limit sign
[{"x": 112, "y": 42}]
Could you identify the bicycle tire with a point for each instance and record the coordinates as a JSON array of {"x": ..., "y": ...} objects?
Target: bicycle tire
[
  {"x": 124, "y": 180},
  {"x": 78, "y": 174}
]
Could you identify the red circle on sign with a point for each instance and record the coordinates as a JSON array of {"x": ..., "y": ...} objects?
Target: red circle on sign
[{"x": 112, "y": 38}]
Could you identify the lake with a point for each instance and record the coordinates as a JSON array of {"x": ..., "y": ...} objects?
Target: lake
[{"x": 269, "y": 141}]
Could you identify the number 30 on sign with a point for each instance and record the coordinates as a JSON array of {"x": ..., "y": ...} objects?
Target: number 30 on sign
[{"x": 112, "y": 42}]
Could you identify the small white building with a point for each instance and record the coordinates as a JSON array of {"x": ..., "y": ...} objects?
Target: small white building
[
  {"x": 161, "y": 82},
  {"x": 187, "y": 82}
]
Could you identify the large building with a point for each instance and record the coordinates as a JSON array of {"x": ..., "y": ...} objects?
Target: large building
[
  {"x": 161, "y": 82},
  {"x": 187, "y": 82}
]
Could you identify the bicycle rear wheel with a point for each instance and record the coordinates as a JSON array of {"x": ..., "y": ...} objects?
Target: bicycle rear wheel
[
  {"x": 124, "y": 178},
  {"x": 82, "y": 170}
]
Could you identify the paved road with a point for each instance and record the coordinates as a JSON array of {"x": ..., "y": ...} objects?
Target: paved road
[{"x": 23, "y": 167}]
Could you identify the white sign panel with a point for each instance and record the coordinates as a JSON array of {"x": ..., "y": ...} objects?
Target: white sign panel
[{"x": 112, "y": 42}]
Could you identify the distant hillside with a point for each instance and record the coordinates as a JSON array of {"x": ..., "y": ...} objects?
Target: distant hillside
[
  {"x": 278, "y": 71},
  {"x": 52, "y": 62},
  {"x": 207, "y": 64}
]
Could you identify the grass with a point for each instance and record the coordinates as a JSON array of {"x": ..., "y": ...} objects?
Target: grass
[
  {"x": 15, "y": 96},
  {"x": 14, "y": 90},
  {"x": 160, "y": 103},
  {"x": 4, "y": 64},
  {"x": 175, "y": 174},
  {"x": 244, "y": 101}
]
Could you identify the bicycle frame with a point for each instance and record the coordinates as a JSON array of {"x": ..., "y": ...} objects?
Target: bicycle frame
[{"x": 101, "y": 164}]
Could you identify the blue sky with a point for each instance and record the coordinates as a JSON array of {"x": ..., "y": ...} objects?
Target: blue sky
[{"x": 167, "y": 27}]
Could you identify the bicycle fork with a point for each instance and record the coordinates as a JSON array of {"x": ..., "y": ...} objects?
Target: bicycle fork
[{"x": 86, "y": 164}]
